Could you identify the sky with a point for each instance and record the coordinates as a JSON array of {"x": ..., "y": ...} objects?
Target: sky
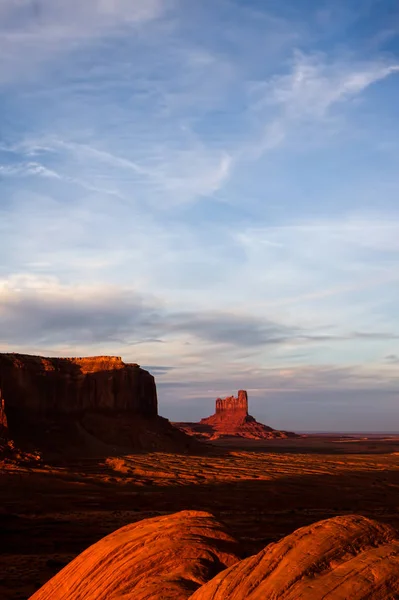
[{"x": 209, "y": 189}]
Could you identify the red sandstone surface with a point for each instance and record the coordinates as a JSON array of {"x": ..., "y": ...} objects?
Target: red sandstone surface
[
  {"x": 190, "y": 555},
  {"x": 231, "y": 419},
  {"x": 343, "y": 558},
  {"x": 164, "y": 557}
]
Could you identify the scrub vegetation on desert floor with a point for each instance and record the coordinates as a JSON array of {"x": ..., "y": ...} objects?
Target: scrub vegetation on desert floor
[{"x": 262, "y": 491}]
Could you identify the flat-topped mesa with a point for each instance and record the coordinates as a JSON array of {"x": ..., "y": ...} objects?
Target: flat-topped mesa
[
  {"x": 232, "y": 404},
  {"x": 76, "y": 385},
  {"x": 85, "y": 405}
]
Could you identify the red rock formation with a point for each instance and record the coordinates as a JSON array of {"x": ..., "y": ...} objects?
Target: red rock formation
[
  {"x": 80, "y": 404},
  {"x": 190, "y": 555},
  {"x": 166, "y": 557},
  {"x": 232, "y": 405},
  {"x": 73, "y": 385},
  {"x": 231, "y": 418},
  {"x": 336, "y": 559}
]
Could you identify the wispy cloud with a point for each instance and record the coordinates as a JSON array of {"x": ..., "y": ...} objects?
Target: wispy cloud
[
  {"x": 179, "y": 176},
  {"x": 27, "y": 170},
  {"x": 310, "y": 92},
  {"x": 315, "y": 85},
  {"x": 360, "y": 251},
  {"x": 35, "y": 169}
]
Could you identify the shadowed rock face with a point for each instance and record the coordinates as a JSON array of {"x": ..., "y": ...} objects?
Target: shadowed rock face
[
  {"x": 165, "y": 557},
  {"x": 3, "y": 419},
  {"x": 190, "y": 555},
  {"x": 231, "y": 419},
  {"x": 72, "y": 385},
  {"x": 82, "y": 405}
]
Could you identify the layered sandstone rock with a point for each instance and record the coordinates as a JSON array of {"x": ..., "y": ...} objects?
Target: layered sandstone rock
[
  {"x": 337, "y": 559},
  {"x": 82, "y": 404},
  {"x": 166, "y": 557},
  {"x": 190, "y": 555},
  {"x": 231, "y": 419}
]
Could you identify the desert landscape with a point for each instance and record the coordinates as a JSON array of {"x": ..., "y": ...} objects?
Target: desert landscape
[
  {"x": 128, "y": 466},
  {"x": 199, "y": 325},
  {"x": 199, "y": 283}
]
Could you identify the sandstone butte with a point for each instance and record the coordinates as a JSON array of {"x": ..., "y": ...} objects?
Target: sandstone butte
[
  {"x": 231, "y": 419},
  {"x": 82, "y": 405},
  {"x": 190, "y": 555}
]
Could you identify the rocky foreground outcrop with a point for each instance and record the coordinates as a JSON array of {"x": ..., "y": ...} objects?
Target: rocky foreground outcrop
[
  {"x": 190, "y": 555},
  {"x": 231, "y": 419},
  {"x": 342, "y": 558},
  {"x": 84, "y": 405},
  {"x": 164, "y": 557}
]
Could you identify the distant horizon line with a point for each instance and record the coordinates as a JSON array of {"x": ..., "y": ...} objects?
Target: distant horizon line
[{"x": 348, "y": 432}]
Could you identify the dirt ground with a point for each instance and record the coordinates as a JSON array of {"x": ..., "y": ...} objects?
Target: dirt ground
[{"x": 261, "y": 490}]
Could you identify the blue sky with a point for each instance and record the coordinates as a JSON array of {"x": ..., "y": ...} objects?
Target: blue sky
[{"x": 211, "y": 190}]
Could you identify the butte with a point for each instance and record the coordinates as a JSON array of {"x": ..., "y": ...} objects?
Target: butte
[{"x": 231, "y": 419}]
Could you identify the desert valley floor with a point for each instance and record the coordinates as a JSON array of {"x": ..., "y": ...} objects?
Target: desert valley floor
[{"x": 261, "y": 490}]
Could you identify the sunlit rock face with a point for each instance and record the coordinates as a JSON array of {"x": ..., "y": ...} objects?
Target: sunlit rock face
[
  {"x": 163, "y": 558},
  {"x": 233, "y": 405},
  {"x": 336, "y": 559},
  {"x": 190, "y": 554},
  {"x": 231, "y": 419}
]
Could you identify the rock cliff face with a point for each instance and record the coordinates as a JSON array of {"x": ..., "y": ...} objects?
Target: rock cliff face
[
  {"x": 232, "y": 405},
  {"x": 74, "y": 385},
  {"x": 231, "y": 419},
  {"x": 82, "y": 404}
]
